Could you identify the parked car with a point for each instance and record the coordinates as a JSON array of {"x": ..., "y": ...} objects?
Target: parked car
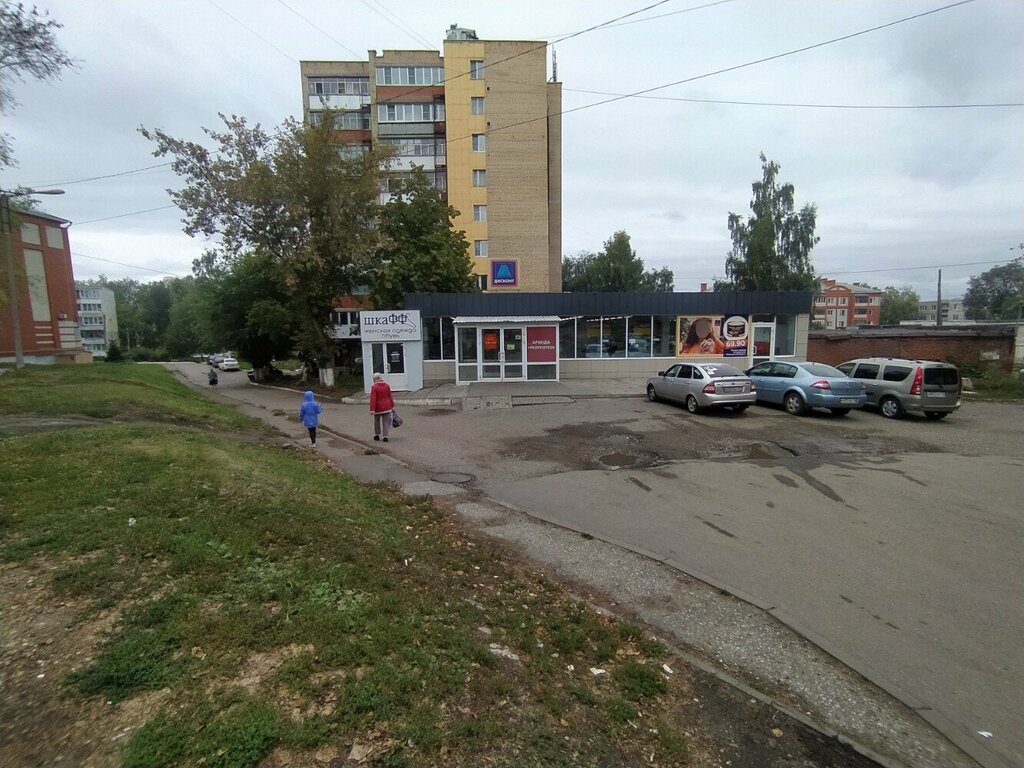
[
  {"x": 215, "y": 358},
  {"x": 798, "y": 387},
  {"x": 703, "y": 385},
  {"x": 896, "y": 386},
  {"x": 272, "y": 373},
  {"x": 228, "y": 364}
]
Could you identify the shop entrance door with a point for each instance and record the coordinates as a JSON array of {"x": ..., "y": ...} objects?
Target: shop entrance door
[
  {"x": 389, "y": 359},
  {"x": 502, "y": 354},
  {"x": 764, "y": 342}
]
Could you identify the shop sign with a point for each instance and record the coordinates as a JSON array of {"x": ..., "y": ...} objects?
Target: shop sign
[
  {"x": 736, "y": 333},
  {"x": 504, "y": 274},
  {"x": 398, "y": 325},
  {"x": 541, "y": 344},
  {"x": 490, "y": 341}
]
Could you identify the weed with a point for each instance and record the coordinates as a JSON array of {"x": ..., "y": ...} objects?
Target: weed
[{"x": 638, "y": 681}]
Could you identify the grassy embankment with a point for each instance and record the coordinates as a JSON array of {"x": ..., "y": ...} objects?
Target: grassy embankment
[{"x": 377, "y": 621}]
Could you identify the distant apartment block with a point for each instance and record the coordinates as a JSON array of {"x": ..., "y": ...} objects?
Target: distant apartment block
[
  {"x": 44, "y": 290},
  {"x": 97, "y": 318},
  {"x": 483, "y": 122},
  {"x": 842, "y": 305},
  {"x": 952, "y": 311}
]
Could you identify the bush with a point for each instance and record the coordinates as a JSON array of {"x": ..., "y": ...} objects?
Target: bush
[{"x": 114, "y": 353}]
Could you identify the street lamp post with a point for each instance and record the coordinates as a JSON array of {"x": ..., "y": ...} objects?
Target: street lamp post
[{"x": 12, "y": 283}]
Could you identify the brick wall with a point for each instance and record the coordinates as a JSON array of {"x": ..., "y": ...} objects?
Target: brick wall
[{"x": 990, "y": 345}]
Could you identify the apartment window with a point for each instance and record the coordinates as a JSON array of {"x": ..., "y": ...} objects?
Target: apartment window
[
  {"x": 479, "y": 142},
  {"x": 416, "y": 147},
  {"x": 479, "y": 178},
  {"x": 476, "y": 69},
  {"x": 481, "y": 282},
  {"x": 476, "y": 105},
  {"x": 479, "y": 213},
  {"x": 30, "y": 233},
  {"x": 410, "y": 113},
  {"x": 410, "y": 75},
  {"x": 480, "y": 248},
  {"x": 54, "y": 238}
]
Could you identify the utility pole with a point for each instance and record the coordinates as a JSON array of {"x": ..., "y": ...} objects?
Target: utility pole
[
  {"x": 938, "y": 304},
  {"x": 6, "y": 227}
]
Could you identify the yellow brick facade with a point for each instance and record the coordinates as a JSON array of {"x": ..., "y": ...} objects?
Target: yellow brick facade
[{"x": 520, "y": 133}]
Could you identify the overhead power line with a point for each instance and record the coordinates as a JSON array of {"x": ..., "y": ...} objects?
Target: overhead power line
[
  {"x": 97, "y": 178},
  {"x": 724, "y": 70},
  {"x": 317, "y": 27},
  {"x": 398, "y": 24},
  {"x": 252, "y": 31},
  {"x": 123, "y": 215},
  {"x": 122, "y": 264}
]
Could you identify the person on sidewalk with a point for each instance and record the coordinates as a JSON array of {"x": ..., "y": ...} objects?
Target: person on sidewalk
[
  {"x": 381, "y": 406},
  {"x": 309, "y": 413},
  {"x": 212, "y": 377}
]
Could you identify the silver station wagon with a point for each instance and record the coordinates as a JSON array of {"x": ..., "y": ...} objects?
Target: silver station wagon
[
  {"x": 896, "y": 386},
  {"x": 703, "y": 385}
]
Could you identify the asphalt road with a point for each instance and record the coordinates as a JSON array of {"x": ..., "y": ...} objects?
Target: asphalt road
[{"x": 895, "y": 546}]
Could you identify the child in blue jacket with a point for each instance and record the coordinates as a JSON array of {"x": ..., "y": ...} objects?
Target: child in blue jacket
[{"x": 309, "y": 412}]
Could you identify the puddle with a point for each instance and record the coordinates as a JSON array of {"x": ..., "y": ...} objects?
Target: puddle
[
  {"x": 752, "y": 451},
  {"x": 618, "y": 460},
  {"x": 451, "y": 477}
]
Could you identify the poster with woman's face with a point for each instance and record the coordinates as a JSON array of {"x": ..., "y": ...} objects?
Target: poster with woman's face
[{"x": 700, "y": 335}]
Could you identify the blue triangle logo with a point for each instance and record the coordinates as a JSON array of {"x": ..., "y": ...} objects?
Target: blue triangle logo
[{"x": 503, "y": 272}]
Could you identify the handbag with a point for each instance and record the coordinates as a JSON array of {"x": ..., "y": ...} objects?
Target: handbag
[{"x": 396, "y": 420}]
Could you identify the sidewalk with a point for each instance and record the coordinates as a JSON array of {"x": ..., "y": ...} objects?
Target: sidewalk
[{"x": 514, "y": 392}]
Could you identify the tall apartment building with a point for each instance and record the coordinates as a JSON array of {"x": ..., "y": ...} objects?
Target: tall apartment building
[
  {"x": 484, "y": 123},
  {"x": 952, "y": 311},
  {"x": 842, "y": 305},
  {"x": 97, "y": 318}
]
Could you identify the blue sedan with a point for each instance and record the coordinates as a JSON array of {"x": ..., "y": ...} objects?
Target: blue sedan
[{"x": 798, "y": 387}]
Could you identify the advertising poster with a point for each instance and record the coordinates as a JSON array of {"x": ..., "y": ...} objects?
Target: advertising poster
[
  {"x": 736, "y": 332},
  {"x": 700, "y": 335},
  {"x": 541, "y": 344}
]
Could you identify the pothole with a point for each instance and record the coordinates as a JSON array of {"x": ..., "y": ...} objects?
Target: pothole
[
  {"x": 618, "y": 460},
  {"x": 451, "y": 477}
]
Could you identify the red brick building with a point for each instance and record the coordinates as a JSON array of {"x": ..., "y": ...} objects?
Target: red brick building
[
  {"x": 45, "y": 292},
  {"x": 843, "y": 305}
]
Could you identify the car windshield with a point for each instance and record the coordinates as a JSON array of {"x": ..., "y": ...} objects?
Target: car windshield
[
  {"x": 820, "y": 369},
  {"x": 717, "y": 371}
]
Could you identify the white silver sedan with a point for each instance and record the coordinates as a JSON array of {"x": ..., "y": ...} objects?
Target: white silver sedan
[{"x": 703, "y": 385}]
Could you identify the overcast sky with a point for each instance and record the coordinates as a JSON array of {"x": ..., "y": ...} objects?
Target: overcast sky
[{"x": 900, "y": 191}]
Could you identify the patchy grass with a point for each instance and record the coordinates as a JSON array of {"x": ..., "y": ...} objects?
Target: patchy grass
[
  {"x": 279, "y": 605},
  {"x": 106, "y": 391}
]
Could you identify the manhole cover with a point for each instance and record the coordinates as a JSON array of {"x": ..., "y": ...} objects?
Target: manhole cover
[{"x": 451, "y": 477}]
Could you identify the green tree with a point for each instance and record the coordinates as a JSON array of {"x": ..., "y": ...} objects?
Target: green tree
[
  {"x": 423, "y": 252},
  {"x": 771, "y": 248},
  {"x": 615, "y": 269},
  {"x": 997, "y": 294},
  {"x": 898, "y": 304},
  {"x": 291, "y": 196},
  {"x": 28, "y": 46},
  {"x": 247, "y": 307}
]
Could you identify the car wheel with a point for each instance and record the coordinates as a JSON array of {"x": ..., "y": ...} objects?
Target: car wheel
[
  {"x": 740, "y": 408},
  {"x": 936, "y": 415},
  {"x": 840, "y": 411},
  {"x": 651, "y": 394},
  {"x": 794, "y": 404},
  {"x": 891, "y": 408},
  {"x": 692, "y": 405}
]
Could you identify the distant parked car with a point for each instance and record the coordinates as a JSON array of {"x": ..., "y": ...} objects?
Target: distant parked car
[
  {"x": 228, "y": 364},
  {"x": 215, "y": 358},
  {"x": 703, "y": 385},
  {"x": 895, "y": 385},
  {"x": 798, "y": 387}
]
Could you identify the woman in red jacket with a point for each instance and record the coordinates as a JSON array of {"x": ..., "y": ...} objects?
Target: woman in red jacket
[{"x": 381, "y": 406}]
